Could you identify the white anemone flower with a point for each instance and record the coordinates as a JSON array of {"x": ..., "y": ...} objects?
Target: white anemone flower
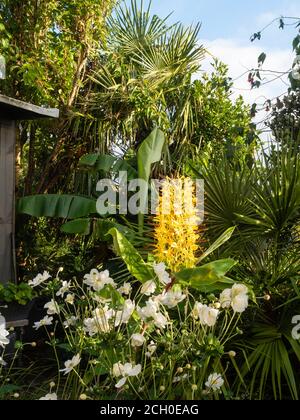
[
  {"x": 151, "y": 349},
  {"x": 123, "y": 316},
  {"x": 98, "y": 280},
  {"x": 64, "y": 288},
  {"x": 71, "y": 321},
  {"x": 171, "y": 298},
  {"x": 100, "y": 323},
  {"x": 160, "y": 321},
  {"x": 47, "y": 320},
  {"x": 207, "y": 315},
  {"x": 236, "y": 297},
  {"x": 162, "y": 274},
  {"x": 239, "y": 298},
  {"x": 52, "y": 307},
  {"x": 150, "y": 312},
  {"x": 71, "y": 364},
  {"x": 127, "y": 370},
  {"x": 214, "y": 382},
  {"x": 125, "y": 289},
  {"x": 91, "y": 327},
  {"x": 3, "y": 333},
  {"x": 225, "y": 298},
  {"x": 148, "y": 288},
  {"x": 137, "y": 340},
  {"x": 39, "y": 279},
  {"x": 70, "y": 298}
]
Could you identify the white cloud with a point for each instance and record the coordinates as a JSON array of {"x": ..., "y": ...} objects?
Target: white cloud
[
  {"x": 266, "y": 17},
  {"x": 241, "y": 57},
  {"x": 287, "y": 9}
]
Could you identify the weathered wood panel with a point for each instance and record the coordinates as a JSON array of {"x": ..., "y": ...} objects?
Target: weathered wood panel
[
  {"x": 7, "y": 189},
  {"x": 13, "y": 109}
]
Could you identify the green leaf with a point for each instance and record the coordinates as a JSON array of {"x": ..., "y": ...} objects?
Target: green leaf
[
  {"x": 149, "y": 152},
  {"x": 54, "y": 205},
  {"x": 296, "y": 42},
  {"x": 102, "y": 227},
  {"x": 220, "y": 267},
  {"x": 218, "y": 243},
  {"x": 122, "y": 165},
  {"x": 64, "y": 346},
  {"x": 108, "y": 163},
  {"x": 89, "y": 160},
  {"x": 208, "y": 278},
  {"x": 77, "y": 226},
  {"x": 255, "y": 36},
  {"x": 8, "y": 389},
  {"x": 281, "y": 23},
  {"x": 262, "y": 58},
  {"x": 133, "y": 260}
]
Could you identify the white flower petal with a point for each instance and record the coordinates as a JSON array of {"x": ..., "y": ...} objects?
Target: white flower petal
[
  {"x": 121, "y": 383},
  {"x": 52, "y": 397}
]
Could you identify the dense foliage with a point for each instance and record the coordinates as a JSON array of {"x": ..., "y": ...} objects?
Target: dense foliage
[{"x": 147, "y": 306}]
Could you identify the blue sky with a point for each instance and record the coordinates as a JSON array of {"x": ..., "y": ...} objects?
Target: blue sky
[
  {"x": 231, "y": 18},
  {"x": 226, "y": 29}
]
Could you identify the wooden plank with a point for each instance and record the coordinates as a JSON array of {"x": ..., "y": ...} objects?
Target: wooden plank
[
  {"x": 16, "y": 316},
  {"x": 13, "y": 109},
  {"x": 19, "y": 323},
  {"x": 7, "y": 190}
]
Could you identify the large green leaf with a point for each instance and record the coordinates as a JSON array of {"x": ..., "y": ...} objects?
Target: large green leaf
[
  {"x": 133, "y": 260},
  {"x": 218, "y": 243},
  {"x": 99, "y": 228},
  {"x": 103, "y": 226},
  {"x": 108, "y": 163},
  {"x": 54, "y": 205},
  {"x": 77, "y": 226},
  {"x": 89, "y": 160},
  {"x": 207, "y": 278},
  {"x": 149, "y": 152}
]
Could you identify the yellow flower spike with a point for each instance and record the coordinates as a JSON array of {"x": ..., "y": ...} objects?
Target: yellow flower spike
[{"x": 177, "y": 234}]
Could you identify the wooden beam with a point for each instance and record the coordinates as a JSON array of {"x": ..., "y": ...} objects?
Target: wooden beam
[{"x": 13, "y": 109}]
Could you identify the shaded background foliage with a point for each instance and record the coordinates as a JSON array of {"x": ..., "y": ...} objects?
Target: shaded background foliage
[{"x": 115, "y": 76}]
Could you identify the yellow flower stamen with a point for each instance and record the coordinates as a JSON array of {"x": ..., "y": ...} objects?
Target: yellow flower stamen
[{"x": 177, "y": 234}]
